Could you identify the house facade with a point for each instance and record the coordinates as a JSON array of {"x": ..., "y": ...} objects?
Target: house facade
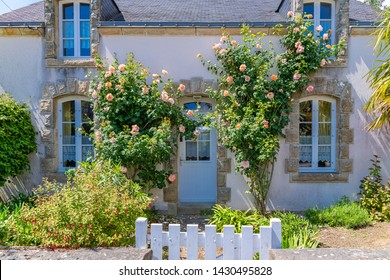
[{"x": 47, "y": 49}]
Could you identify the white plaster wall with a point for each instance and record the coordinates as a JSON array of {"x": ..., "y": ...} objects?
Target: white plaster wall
[
  {"x": 21, "y": 74},
  {"x": 177, "y": 54}
]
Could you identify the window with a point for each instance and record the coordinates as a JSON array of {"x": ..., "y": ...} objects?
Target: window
[
  {"x": 74, "y": 146},
  {"x": 323, "y": 14},
  {"x": 317, "y": 135},
  {"x": 75, "y": 30}
]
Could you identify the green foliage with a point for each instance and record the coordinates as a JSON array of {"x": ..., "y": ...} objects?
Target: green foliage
[
  {"x": 345, "y": 213},
  {"x": 253, "y": 104},
  {"x": 17, "y": 138},
  {"x": 297, "y": 232},
  {"x": 226, "y": 216},
  {"x": 138, "y": 122},
  {"x": 376, "y": 194},
  {"x": 378, "y": 105},
  {"x": 375, "y": 3},
  {"x": 97, "y": 207}
]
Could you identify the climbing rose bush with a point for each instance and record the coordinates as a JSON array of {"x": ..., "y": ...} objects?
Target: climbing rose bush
[
  {"x": 138, "y": 120},
  {"x": 256, "y": 85}
]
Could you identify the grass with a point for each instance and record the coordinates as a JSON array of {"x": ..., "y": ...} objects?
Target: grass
[{"x": 345, "y": 214}]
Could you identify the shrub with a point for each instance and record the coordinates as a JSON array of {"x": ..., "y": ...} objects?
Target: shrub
[
  {"x": 297, "y": 232},
  {"x": 98, "y": 206},
  {"x": 375, "y": 194},
  {"x": 17, "y": 137},
  {"x": 343, "y": 214}
]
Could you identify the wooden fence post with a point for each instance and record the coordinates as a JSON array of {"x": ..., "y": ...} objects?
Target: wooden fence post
[
  {"x": 246, "y": 242},
  {"x": 210, "y": 242},
  {"x": 174, "y": 242},
  {"x": 265, "y": 242},
  {"x": 156, "y": 242},
  {"x": 141, "y": 231},
  {"x": 228, "y": 242},
  {"x": 192, "y": 242}
]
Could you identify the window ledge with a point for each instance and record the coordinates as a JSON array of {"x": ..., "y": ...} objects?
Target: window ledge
[
  {"x": 317, "y": 177},
  {"x": 88, "y": 62}
]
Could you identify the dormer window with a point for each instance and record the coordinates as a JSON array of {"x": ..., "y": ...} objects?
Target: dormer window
[
  {"x": 323, "y": 13},
  {"x": 75, "y": 29}
]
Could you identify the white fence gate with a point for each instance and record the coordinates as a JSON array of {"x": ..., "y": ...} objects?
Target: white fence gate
[{"x": 236, "y": 246}]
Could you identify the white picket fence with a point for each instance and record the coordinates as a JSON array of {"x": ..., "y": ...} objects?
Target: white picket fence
[{"x": 236, "y": 246}]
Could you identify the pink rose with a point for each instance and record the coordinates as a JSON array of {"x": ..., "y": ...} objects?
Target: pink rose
[
  {"x": 244, "y": 164},
  {"x": 164, "y": 72},
  {"x": 172, "y": 178},
  {"x": 171, "y": 100},
  {"x": 323, "y": 62},
  {"x": 290, "y": 14},
  {"x": 258, "y": 46},
  {"x": 270, "y": 95},
  {"x": 113, "y": 140},
  {"x": 300, "y": 49},
  {"x": 217, "y": 47},
  {"x": 309, "y": 35},
  {"x": 156, "y": 76},
  {"x": 182, "y": 129},
  {"x": 247, "y": 78},
  {"x": 325, "y": 36},
  {"x": 124, "y": 169},
  {"x": 190, "y": 113},
  {"x": 242, "y": 67},
  {"x": 310, "y": 89},
  {"x": 229, "y": 79},
  {"x": 182, "y": 87},
  {"x": 107, "y": 74},
  {"x": 296, "y": 29},
  {"x": 223, "y": 39},
  {"x": 145, "y": 90},
  {"x": 197, "y": 132},
  {"x": 134, "y": 130},
  {"x": 108, "y": 85},
  {"x": 111, "y": 69},
  {"x": 222, "y": 52},
  {"x": 225, "y": 93},
  {"x": 164, "y": 96},
  {"x": 106, "y": 109},
  {"x": 266, "y": 124},
  {"x": 298, "y": 44},
  {"x": 94, "y": 94},
  {"x": 122, "y": 67},
  {"x": 297, "y": 76},
  {"x": 110, "y": 97},
  {"x": 319, "y": 28}
]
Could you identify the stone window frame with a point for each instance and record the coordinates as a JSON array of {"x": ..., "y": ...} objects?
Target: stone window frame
[
  {"x": 52, "y": 36},
  {"x": 341, "y": 31},
  {"x": 78, "y": 121},
  {"x": 315, "y": 127},
  {"x": 341, "y": 92}
]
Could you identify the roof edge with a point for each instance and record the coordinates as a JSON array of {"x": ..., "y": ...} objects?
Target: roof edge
[
  {"x": 189, "y": 24},
  {"x": 22, "y": 24}
]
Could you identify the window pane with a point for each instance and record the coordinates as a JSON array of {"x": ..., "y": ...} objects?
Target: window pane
[
  {"x": 68, "y": 111},
  {"x": 87, "y": 152},
  {"x": 326, "y": 25},
  {"x": 87, "y": 128},
  {"x": 324, "y": 136},
  {"x": 305, "y": 111},
  {"x": 324, "y": 156},
  {"x": 67, "y": 11},
  {"x": 201, "y": 106},
  {"x": 204, "y": 135},
  {"x": 305, "y": 133},
  {"x": 68, "y": 47},
  {"x": 84, "y": 11},
  {"x": 86, "y": 111},
  {"x": 68, "y": 29},
  {"x": 68, "y": 133},
  {"x": 84, "y": 29},
  {"x": 308, "y": 9},
  {"x": 204, "y": 150},
  {"x": 324, "y": 111},
  {"x": 326, "y": 11},
  {"x": 191, "y": 150},
  {"x": 69, "y": 156},
  {"x": 85, "y": 49},
  {"x": 305, "y": 156}
]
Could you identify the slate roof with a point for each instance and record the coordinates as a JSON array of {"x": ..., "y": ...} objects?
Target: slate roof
[{"x": 177, "y": 11}]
